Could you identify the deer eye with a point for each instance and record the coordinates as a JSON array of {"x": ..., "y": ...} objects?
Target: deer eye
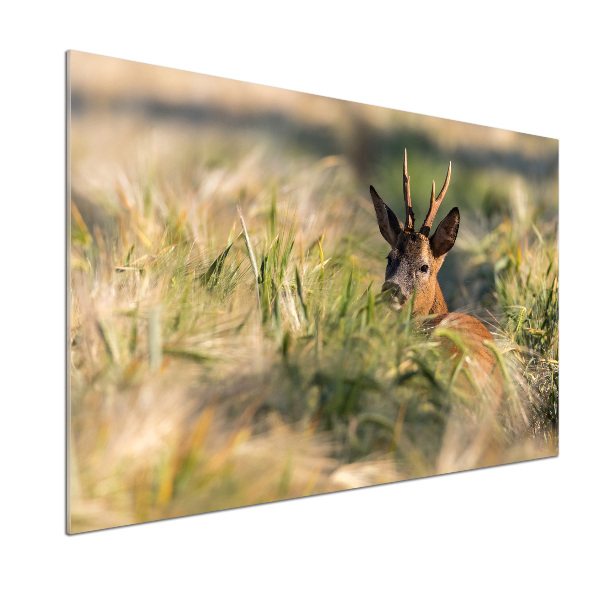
[{"x": 424, "y": 269}]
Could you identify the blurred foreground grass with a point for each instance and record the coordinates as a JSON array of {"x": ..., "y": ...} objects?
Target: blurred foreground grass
[{"x": 200, "y": 381}]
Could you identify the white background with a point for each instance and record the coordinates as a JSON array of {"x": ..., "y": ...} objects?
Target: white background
[{"x": 527, "y": 530}]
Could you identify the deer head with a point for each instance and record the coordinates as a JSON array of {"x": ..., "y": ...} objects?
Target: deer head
[{"x": 415, "y": 258}]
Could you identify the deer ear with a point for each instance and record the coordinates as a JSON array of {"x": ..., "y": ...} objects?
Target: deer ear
[
  {"x": 445, "y": 235},
  {"x": 388, "y": 222}
]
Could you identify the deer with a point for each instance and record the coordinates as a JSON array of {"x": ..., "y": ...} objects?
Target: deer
[{"x": 413, "y": 264}]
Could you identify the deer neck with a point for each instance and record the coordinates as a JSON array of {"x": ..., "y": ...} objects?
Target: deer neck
[{"x": 439, "y": 306}]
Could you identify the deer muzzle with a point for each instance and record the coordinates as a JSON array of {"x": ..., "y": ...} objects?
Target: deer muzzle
[{"x": 396, "y": 297}]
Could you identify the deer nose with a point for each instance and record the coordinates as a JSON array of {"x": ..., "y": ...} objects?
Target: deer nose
[
  {"x": 396, "y": 297},
  {"x": 389, "y": 285}
]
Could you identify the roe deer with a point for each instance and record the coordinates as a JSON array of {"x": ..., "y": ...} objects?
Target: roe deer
[{"x": 413, "y": 265}]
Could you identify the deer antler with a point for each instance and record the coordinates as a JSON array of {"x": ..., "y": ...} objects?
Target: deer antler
[
  {"x": 434, "y": 203},
  {"x": 410, "y": 215}
]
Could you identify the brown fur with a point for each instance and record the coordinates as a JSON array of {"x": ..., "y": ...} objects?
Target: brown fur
[
  {"x": 439, "y": 304},
  {"x": 473, "y": 335}
]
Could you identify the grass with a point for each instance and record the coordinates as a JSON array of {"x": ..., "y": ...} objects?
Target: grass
[{"x": 230, "y": 345}]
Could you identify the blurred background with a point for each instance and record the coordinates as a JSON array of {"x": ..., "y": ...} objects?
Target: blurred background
[
  {"x": 200, "y": 381},
  {"x": 123, "y": 112}
]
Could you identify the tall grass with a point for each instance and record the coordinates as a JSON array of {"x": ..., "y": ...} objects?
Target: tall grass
[{"x": 230, "y": 346}]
